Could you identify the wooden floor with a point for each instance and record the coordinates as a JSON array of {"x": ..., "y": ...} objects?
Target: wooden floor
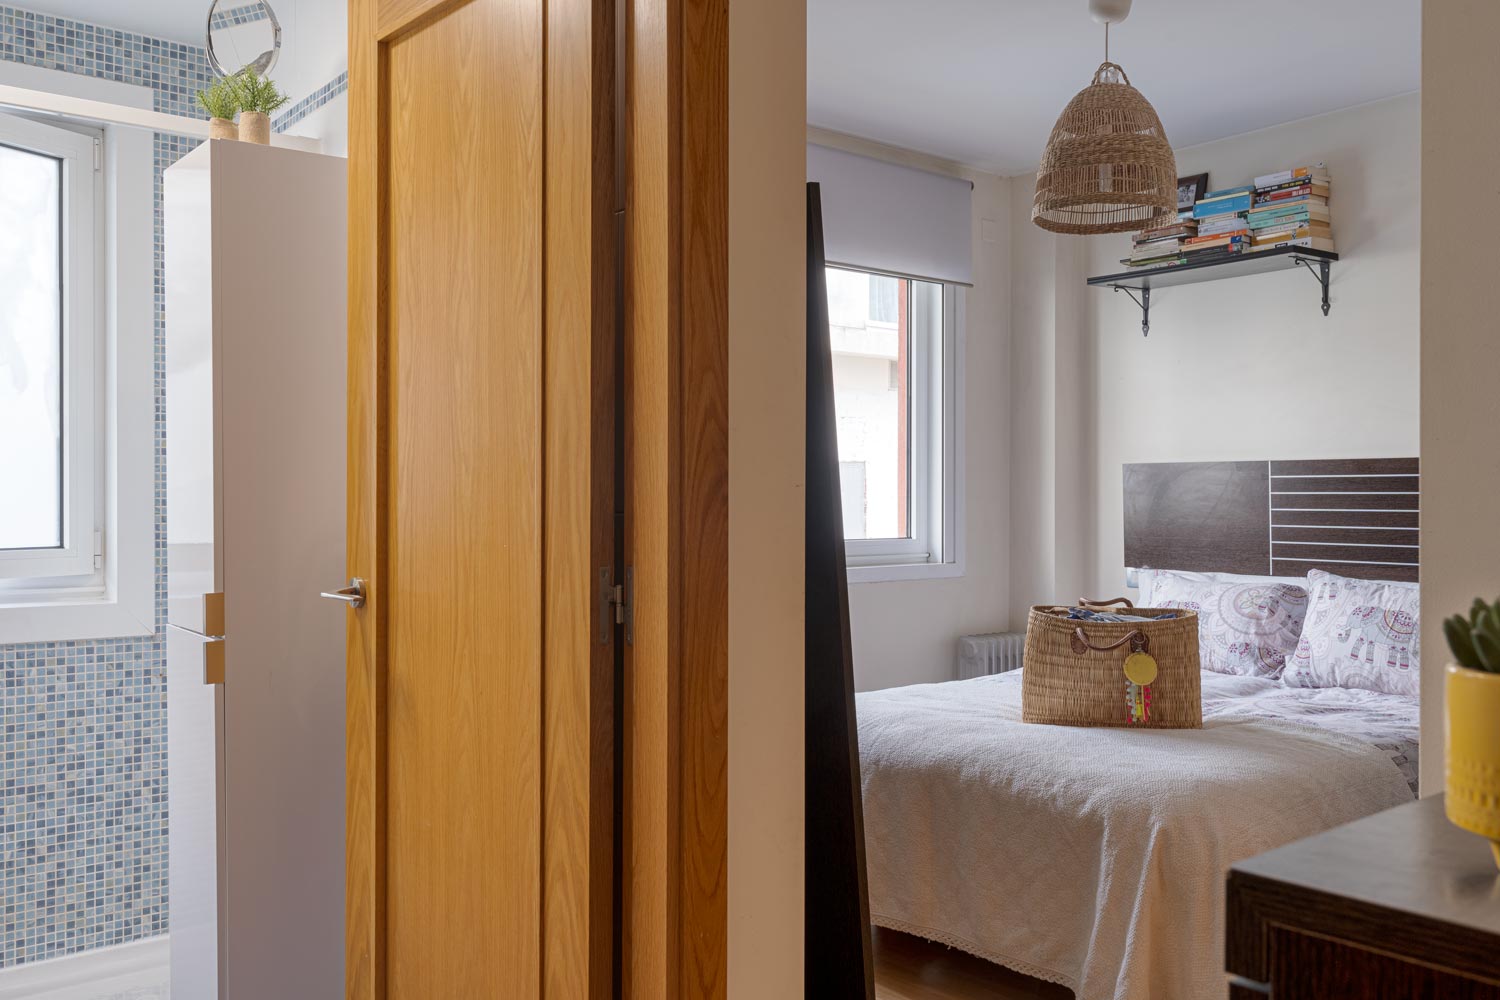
[{"x": 909, "y": 968}]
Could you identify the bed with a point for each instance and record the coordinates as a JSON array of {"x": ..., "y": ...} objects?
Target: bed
[{"x": 1095, "y": 858}]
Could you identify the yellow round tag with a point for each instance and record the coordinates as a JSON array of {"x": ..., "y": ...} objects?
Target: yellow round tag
[{"x": 1140, "y": 668}]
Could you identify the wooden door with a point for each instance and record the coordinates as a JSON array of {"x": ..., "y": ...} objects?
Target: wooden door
[{"x": 480, "y": 512}]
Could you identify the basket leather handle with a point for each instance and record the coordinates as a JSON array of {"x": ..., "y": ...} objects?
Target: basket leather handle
[
  {"x": 1137, "y": 639},
  {"x": 1086, "y": 603}
]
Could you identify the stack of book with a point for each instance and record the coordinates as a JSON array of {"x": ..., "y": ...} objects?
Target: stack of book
[
  {"x": 1222, "y": 231},
  {"x": 1161, "y": 246},
  {"x": 1291, "y": 210}
]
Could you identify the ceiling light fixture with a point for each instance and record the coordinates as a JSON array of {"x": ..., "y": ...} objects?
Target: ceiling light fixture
[{"x": 1108, "y": 167}]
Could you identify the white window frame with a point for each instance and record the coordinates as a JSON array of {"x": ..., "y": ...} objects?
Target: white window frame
[
  {"x": 114, "y": 595},
  {"x": 934, "y": 549},
  {"x": 81, "y": 204}
]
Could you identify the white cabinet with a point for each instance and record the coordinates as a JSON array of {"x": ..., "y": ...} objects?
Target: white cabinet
[{"x": 255, "y": 413}]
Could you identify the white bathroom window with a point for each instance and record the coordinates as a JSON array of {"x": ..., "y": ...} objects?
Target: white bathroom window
[
  {"x": 894, "y": 342},
  {"x": 51, "y": 339},
  {"x": 77, "y": 458}
]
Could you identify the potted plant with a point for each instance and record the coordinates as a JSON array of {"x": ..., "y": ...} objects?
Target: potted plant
[
  {"x": 221, "y": 100},
  {"x": 1473, "y": 735},
  {"x": 258, "y": 98}
]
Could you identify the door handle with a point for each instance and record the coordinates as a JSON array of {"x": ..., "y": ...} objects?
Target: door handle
[{"x": 352, "y": 595}]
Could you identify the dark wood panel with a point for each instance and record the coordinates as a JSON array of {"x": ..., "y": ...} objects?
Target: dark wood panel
[
  {"x": 1345, "y": 553},
  {"x": 1345, "y": 501},
  {"x": 1239, "y": 992},
  {"x": 1347, "y": 518},
  {"x": 1315, "y": 968},
  {"x": 1204, "y": 516},
  {"x": 1346, "y": 484},
  {"x": 1405, "y": 574},
  {"x": 1347, "y": 467},
  {"x": 1404, "y": 882},
  {"x": 1348, "y": 536}
]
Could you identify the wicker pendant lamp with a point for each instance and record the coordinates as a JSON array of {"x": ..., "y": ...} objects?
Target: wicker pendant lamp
[{"x": 1108, "y": 167}]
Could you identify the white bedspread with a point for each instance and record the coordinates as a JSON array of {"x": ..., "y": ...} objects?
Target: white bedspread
[{"x": 1096, "y": 858}]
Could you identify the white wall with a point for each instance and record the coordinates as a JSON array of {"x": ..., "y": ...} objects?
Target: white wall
[
  {"x": 1249, "y": 368},
  {"x": 1460, "y": 321},
  {"x": 906, "y": 632}
]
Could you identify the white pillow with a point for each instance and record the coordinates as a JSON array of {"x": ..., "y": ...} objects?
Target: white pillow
[
  {"x": 1246, "y": 625},
  {"x": 1359, "y": 634},
  {"x": 1147, "y": 578}
]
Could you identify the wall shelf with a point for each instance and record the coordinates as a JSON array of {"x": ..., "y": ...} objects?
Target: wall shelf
[{"x": 1317, "y": 262}]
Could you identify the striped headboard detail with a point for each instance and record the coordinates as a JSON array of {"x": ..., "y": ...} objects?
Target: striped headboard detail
[{"x": 1354, "y": 517}]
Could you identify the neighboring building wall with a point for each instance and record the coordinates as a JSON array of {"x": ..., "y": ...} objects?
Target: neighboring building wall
[
  {"x": 1460, "y": 320},
  {"x": 867, "y": 372},
  {"x": 83, "y": 795}
]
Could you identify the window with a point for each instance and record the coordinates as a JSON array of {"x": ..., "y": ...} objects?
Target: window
[
  {"x": 49, "y": 346},
  {"x": 894, "y": 345},
  {"x": 77, "y": 410}
]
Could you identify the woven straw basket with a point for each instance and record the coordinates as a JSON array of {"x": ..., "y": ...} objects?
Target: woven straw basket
[{"x": 1072, "y": 680}]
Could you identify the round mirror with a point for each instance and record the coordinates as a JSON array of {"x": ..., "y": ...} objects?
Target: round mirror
[{"x": 242, "y": 34}]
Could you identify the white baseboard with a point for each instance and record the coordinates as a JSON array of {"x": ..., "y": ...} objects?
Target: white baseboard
[{"x": 33, "y": 979}]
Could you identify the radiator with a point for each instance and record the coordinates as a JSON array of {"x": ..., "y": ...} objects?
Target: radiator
[{"x": 994, "y": 653}]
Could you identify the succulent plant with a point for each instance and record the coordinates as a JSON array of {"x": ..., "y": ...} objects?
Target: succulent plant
[
  {"x": 1475, "y": 640},
  {"x": 221, "y": 99}
]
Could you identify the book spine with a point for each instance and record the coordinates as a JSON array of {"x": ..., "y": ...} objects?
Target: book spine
[
  {"x": 1222, "y": 206},
  {"x": 1285, "y": 176},
  {"x": 1276, "y": 232},
  {"x": 1283, "y": 220},
  {"x": 1305, "y": 191},
  {"x": 1286, "y": 208},
  {"x": 1311, "y": 242},
  {"x": 1225, "y": 239},
  {"x": 1293, "y": 183}
]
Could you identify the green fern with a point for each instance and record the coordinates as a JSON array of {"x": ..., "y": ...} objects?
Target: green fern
[
  {"x": 258, "y": 93},
  {"x": 221, "y": 99}
]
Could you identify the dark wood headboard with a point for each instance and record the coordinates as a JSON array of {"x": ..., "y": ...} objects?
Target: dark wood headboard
[{"x": 1356, "y": 517}]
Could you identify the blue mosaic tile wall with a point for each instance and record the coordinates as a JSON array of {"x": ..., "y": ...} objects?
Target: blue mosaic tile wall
[
  {"x": 312, "y": 102},
  {"x": 83, "y": 768},
  {"x": 245, "y": 14}
]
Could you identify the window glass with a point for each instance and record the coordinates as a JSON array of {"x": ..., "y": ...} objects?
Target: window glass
[
  {"x": 871, "y": 333},
  {"x": 31, "y": 354}
]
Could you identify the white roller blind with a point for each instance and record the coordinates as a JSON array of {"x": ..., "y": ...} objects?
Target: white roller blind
[{"x": 883, "y": 217}]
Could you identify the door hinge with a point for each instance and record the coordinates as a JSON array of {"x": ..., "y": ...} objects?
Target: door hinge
[
  {"x": 98, "y": 549},
  {"x": 98, "y": 154},
  {"x": 616, "y": 605}
]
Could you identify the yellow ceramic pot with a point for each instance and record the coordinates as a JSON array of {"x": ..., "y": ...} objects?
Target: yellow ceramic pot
[{"x": 1473, "y": 757}]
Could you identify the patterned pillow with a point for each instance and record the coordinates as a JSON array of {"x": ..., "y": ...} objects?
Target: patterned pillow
[
  {"x": 1359, "y": 634},
  {"x": 1244, "y": 627}
]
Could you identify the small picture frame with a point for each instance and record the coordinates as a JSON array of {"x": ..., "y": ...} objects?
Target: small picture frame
[{"x": 1190, "y": 189}]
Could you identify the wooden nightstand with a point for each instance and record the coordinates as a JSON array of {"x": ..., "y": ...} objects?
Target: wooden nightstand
[{"x": 1398, "y": 905}]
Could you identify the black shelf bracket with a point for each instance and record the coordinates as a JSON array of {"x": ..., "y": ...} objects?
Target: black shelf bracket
[
  {"x": 1320, "y": 275},
  {"x": 1145, "y": 303}
]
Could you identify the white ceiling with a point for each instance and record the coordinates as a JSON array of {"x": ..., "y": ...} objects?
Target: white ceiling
[{"x": 981, "y": 81}]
